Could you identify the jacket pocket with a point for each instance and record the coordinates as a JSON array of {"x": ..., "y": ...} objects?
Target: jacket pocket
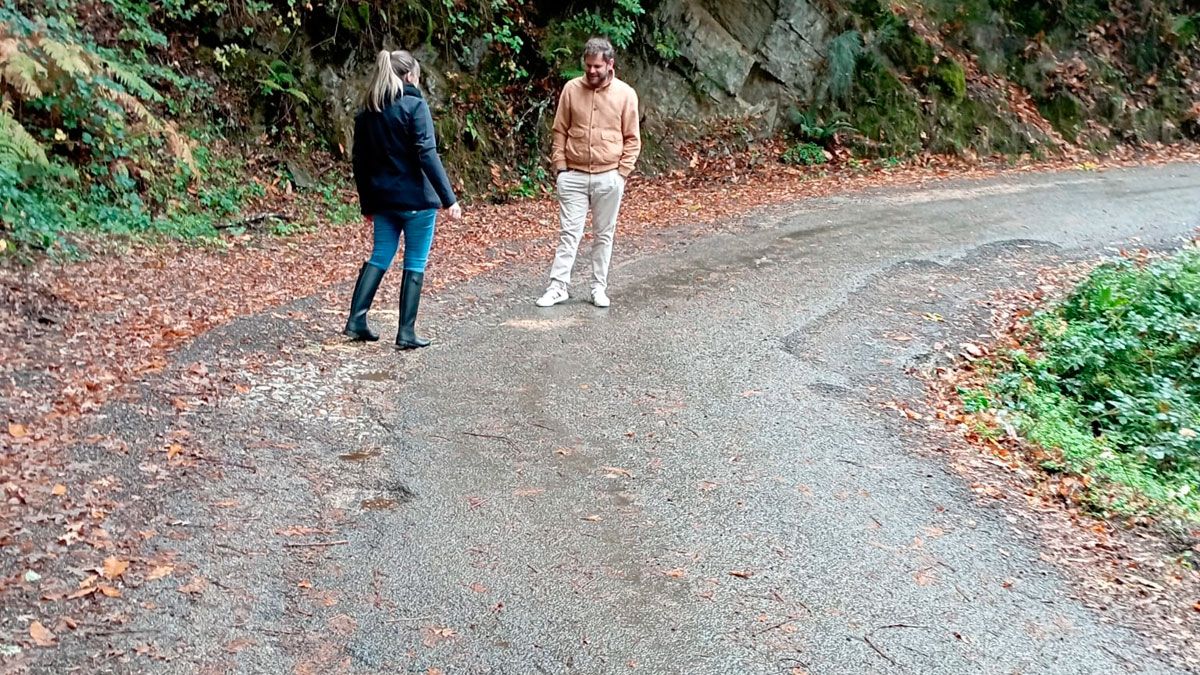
[
  {"x": 576, "y": 150},
  {"x": 608, "y": 147}
]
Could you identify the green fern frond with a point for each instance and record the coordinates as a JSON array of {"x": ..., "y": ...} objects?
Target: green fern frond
[
  {"x": 133, "y": 82},
  {"x": 69, "y": 58},
  {"x": 15, "y": 142}
]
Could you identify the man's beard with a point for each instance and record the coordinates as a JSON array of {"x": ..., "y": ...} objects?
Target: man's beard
[{"x": 599, "y": 79}]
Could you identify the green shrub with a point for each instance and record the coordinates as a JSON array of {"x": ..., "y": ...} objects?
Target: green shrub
[
  {"x": 1116, "y": 386},
  {"x": 805, "y": 154}
]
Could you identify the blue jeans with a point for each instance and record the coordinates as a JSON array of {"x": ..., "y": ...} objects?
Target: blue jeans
[{"x": 417, "y": 228}]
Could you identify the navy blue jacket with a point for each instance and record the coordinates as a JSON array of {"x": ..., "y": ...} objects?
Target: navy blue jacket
[{"x": 396, "y": 164}]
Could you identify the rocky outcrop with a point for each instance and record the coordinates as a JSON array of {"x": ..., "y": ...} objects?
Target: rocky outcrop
[{"x": 744, "y": 53}]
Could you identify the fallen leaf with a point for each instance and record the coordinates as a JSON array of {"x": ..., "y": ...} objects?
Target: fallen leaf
[
  {"x": 194, "y": 587},
  {"x": 88, "y": 590},
  {"x": 592, "y": 518},
  {"x": 741, "y": 574},
  {"x": 59, "y": 490},
  {"x": 923, "y": 578},
  {"x": 478, "y": 587},
  {"x": 238, "y": 645},
  {"x": 431, "y": 636},
  {"x": 109, "y": 591},
  {"x": 528, "y": 492},
  {"x": 41, "y": 635},
  {"x": 304, "y": 583},
  {"x": 173, "y": 450},
  {"x": 114, "y": 567},
  {"x": 17, "y": 430},
  {"x": 973, "y": 349},
  {"x": 160, "y": 571},
  {"x": 677, "y": 573},
  {"x": 617, "y": 472}
]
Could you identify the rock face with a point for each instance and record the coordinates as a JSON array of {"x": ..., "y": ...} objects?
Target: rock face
[{"x": 743, "y": 53}]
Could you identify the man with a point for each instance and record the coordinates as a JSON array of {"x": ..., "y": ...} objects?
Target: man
[{"x": 596, "y": 144}]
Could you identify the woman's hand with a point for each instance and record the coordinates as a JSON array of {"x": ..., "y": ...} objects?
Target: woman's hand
[{"x": 455, "y": 211}]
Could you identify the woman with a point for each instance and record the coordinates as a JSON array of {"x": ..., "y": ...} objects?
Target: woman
[{"x": 401, "y": 185}]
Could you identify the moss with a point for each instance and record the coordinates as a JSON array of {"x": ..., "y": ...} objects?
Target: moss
[
  {"x": 951, "y": 79},
  {"x": 904, "y": 46},
  {"x": 886, "y": 112},
  {"x": 1065, "y": 113},
  {"x": 1148, "y": 125},
  {"x": 976, "y": 126}
]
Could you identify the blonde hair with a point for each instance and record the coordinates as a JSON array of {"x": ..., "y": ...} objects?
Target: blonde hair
[{"x": 390, "y": 70}]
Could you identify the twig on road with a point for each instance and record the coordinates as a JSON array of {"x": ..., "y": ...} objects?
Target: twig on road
[
  {"x": 403, "y": 619},
  {"x": 120, "y": 631},
  {"x": 867, "y": 639},
  {"x": 772, "y": 627},
  {"x": 226, "y": 462},
  {"x": 274, "y": 631},
  {"x": 304, "y": 544},
  {"x": 506, "y": 439}
]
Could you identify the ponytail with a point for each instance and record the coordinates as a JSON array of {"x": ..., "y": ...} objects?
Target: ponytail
[{"x": 390, "y": 70}]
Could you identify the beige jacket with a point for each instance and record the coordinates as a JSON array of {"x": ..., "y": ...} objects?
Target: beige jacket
[{"x": 596, "y": 130}]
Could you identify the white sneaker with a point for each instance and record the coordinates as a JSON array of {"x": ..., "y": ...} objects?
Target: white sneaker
[
  {"x": 599, "y": 298},
  {"x": 552, "y": 296}
]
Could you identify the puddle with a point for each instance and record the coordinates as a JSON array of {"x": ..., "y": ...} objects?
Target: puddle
[
  {"x": 378, "y": 376},
  {"x": 380, "y": 504},
  {"x": 360, "y": 456}
]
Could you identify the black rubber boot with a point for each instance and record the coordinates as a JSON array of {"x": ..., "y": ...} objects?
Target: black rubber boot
[
  {"x": 410, "y": 300},
  {"x": 364, "y": 293}
]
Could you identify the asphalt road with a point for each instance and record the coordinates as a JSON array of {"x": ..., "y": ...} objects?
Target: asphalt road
[{"x": 700, "y": 479}]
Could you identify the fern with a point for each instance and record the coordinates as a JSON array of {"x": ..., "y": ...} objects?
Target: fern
[
  {"x": 841, "y": 62},
  {"x": 176, "y": 143},
  {"x": 132, "y": 82},
  {"x": 19, "y": 70},
  {"x": 70, "y": 59},
  {"x": 15, "y": 142}
]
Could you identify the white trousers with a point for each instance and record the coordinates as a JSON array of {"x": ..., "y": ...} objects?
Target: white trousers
[{"x": 579, "y": 192}]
